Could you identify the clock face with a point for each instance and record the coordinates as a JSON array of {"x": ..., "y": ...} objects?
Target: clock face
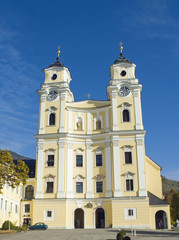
[
  {"x": 124, "y": 91},
  {"x": 52, "y": 95}
]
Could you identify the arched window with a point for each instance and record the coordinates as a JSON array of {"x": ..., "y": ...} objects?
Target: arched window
[
  {"x": 98, "y": 124},
  {"x": 125, "y": 115},
  {"x": 52, "y": 119},
  {"x": 29, "y": 192}
]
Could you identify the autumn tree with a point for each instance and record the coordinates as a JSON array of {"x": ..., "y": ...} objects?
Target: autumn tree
[
  {"x": 174, "y": 207},
  {"x": 11, "y": 173}
]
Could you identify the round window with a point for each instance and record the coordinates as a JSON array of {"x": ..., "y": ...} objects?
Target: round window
[
  {"x": 123, "y": 73},
  {"x": 54, "y": 76}
]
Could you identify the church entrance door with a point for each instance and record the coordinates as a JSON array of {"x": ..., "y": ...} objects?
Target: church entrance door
[
  {"x": 100, "y": 218},
  {"x": 161, "y": 220},
  {"x": 79, "y": 218}
]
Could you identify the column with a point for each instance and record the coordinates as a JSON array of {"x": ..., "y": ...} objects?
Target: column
[
  {"x": 39, "y": 169},
  {"x": 107, "y": 120},
  {"x": 116, "y": 164},
  {"x": 138, "y": 111},
  {"x": 140, "y": 161},
  {"x": 62, "y": 113},
  {"x": 69, "y": 170},
  {"x": 89, "y": 169},
  {"x": 42, "y": 110},
  {"x": 88, "y": 123},
  {"x": 114, "y": 111},
  {"x": 61, "y": 169},
  {"x": 108, "y": 168}
]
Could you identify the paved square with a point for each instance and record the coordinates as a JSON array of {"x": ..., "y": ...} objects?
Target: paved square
[{"x": 83, "y": 234}]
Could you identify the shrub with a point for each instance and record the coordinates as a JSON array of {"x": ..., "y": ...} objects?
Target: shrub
[
  {"x": 5, "y": 225},
  {"x": 126, "y": 238},
  {"x": 25, "y": 226},
  {"x": 121, "y": 235}
]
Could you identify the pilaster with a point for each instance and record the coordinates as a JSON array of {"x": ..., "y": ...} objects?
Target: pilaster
[
  {"x": 141, "y": 169},
  {"x": 107, "y": 120},
  {"x": 89, "y": 180},
  {"x": 69, "y": 170},
  {"x": 88, "y": 123},
  {"x": 40, "y": 146},
  {"x": 62, "y": 113},
  {"x": 61, "y": 169},
  {"x": 138, "y": 111},
  {"x": 42, "y": 110},
  {"x": 114, "y": 111},
  {"x": 116, "y": 165},
  {"x": 108, "y": 168}
]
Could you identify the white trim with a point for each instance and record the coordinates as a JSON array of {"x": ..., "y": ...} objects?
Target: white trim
[
  {"x": 62, "y": 113},
  {"x": 69, "y": 171},
  {"x": 49, "y": 218},
  {"x": 89, "y": 167},
  {"x": 97, "y": 118},
  {"x": 108, "y": 169},
  {"x": 138, "y": 111},
  {"x": 61, "y": 169},
  {"x": 114, "y": 112},
  {"x": 107, "y": 120},
  {"x": 50, "y": 152},
  {"x": 40, "y": 145},
  {"x": 116, "y": 167},
  {"x": 98, "y": 151},
  {"x": 126, "y": 213},
  {"x": 42, "y": 110},
  {"x": 88, "y": 123}
]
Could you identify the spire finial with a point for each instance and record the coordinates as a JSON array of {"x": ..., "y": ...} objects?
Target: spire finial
[
  {"x": 58, "y": 54},
  {"x": 121, "y": 48},
  {"x": 89, "y": 95}
]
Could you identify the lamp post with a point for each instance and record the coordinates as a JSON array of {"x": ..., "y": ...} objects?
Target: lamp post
[{"x": 9, "y": 220}]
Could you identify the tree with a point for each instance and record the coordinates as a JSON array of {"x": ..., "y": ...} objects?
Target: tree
[
  {"x": 11, "y": 173},
  {"x": 174, "y": 208}
]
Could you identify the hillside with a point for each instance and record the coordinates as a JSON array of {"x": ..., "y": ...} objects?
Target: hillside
[
  {"x": 168, "y": 184},
  {"x": 16, "y": 156}
]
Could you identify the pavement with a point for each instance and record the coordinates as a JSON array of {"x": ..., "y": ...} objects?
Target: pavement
[{"x": 86, "y": 234}]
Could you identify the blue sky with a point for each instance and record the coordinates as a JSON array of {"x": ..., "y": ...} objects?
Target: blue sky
[{"x": 89, "y": 33}]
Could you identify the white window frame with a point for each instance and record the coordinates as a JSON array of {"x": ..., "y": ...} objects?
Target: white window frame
[
  {"x": 46, "y": 218},
  {"x": 52, "y": 109},
  {"x": 2, "y": 203},
  {"x": 50, "y": 152},
  {"x": 50, "y": 178},
  {"x": 125, "y": 106},
  {"x": 11, "y": 207},
  {"x": 82, "y": 187},
  {"x": 126, "y": 213},
  {"x": 79, "y": 178},
  {"x": 6, "y": 205},
  {"x": 29, "y": 207},
  {"x": 16, "y": 208},
  {"x": 99, "y": 151},
  {"x": 99, "y": 178},
  {"x": 79, "y": 151},
  {"x": 127, "y": 148},
  {"x": 129, "y": 176}
]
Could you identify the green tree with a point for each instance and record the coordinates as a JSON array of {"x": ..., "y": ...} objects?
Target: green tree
[
  {"x": 174, "y": 208},
  {"x": 11, "y": 173}
]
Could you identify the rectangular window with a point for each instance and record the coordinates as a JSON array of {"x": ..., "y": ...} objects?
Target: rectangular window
[
  {"x": 49, "y": 187},
  {"x": 49, "y": 213},
  {"x": 130, "y": 212},
  {"x": 99, "y": 187},
  {"x": 6, "y": 205},
  {"x": 27, "y": 208},
  {"x": 17, "y": 190},
  {"x": 99, "y": 160},
  {"x": 11, "y": 208},
  {"x": 79, "y": 160},
  {"x": 50, "y": 161},
  {"x": 2, "y": 203},
  {"x": 79, "y": 187},
  {"x": 16, "y": 208},
  {"x": 128, "y": 157},
  {"x": 129, "y": 185}
]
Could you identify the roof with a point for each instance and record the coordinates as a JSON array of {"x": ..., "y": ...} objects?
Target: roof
[
  {"x": 122, "y": 59},
  {"x": 154, "y": 200}
]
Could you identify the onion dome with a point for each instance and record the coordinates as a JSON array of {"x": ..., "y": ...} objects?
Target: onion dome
[
  {"x": 121, "y": 59},
  {"x": 57, "y": 63}
]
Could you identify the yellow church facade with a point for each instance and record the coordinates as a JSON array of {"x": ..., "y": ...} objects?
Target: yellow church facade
[{"x": 91, "y": 167}]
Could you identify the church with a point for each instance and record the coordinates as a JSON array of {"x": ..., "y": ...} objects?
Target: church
[{"x": 91, "y": 167}]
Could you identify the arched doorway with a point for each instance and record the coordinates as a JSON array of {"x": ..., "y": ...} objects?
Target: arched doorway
[
  {"x": 100, "y": 218},
  {"x": 79, "y": 218},
  {"x": 161, "y": 220}
]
